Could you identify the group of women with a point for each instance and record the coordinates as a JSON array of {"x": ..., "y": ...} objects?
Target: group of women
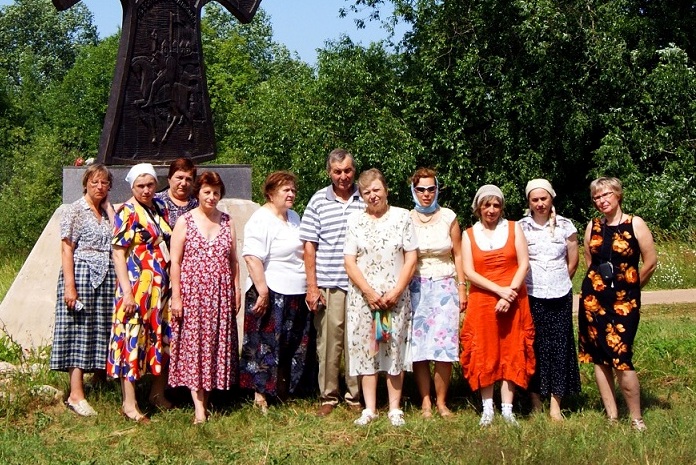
[{"x": 177, "y": 285}]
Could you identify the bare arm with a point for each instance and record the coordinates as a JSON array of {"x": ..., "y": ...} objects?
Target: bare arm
[
  {"x": 522, "y": 258},
  {"x": 456, "y": 235},
  {"x": 255, "y": 268},
  {"x": 67, "y": 259},
  {"x": 391, "y": 298},
  {"x": 120, "y": 255},
  {"x": 586, "y": 245},
  {"x": 572, "y": 256},
  {"x": 177, "y": 247},
  {"x": 234, "y": 267},
  {"x": 647, "y": 249},
  {"x": 310, "y": 260}
]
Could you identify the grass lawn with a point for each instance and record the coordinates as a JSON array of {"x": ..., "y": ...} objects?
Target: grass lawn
[{"x": 39, "y": 433}]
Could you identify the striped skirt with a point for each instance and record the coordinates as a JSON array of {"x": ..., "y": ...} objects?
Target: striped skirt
[{"x": 81, "y": 338}]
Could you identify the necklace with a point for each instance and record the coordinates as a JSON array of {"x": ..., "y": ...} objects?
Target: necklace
[{"x": 430, "y": 218}]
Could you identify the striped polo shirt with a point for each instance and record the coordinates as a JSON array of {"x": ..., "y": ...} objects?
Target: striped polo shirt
[{"x": 324, "y": 223}]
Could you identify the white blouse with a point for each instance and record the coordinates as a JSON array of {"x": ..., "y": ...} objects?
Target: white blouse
[
  {"x": 496, "y": 241},
  {"x": 548, "y": 257},
  {"x": 277, "y": 244},
  {"x": 435, "y": 258}
]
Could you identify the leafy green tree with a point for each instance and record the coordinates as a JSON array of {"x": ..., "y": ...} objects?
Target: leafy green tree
[{"x": 34, "y": 30}]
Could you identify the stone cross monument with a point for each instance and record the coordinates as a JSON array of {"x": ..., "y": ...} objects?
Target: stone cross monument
[{"x": 159, "y": 107}]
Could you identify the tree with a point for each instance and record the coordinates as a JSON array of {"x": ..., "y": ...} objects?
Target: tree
[{"x": 34, "y": 30}]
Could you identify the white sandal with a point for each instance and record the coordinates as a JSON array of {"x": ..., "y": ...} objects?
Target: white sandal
[
  {"x": 396, "y": 417},
  {"x": 367, "y": 416},
  {"x": 82, "y": 408}
]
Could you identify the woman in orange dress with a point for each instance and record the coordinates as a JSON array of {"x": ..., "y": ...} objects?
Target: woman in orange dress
[{"x": 498, "y": 333}]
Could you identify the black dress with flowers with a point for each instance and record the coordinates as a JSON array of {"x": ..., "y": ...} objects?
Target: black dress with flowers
[{"x": 610, "y": 309}]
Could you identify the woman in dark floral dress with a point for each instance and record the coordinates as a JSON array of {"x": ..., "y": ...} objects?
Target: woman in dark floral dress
[
  {"x": 610, "y": 299},
  {"x": 279, "y": 349}
]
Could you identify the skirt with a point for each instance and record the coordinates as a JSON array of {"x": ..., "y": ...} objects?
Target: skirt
[
  {"x": 279, "y": 352},
  {"x": 435, "y": 320},
  {"x": 81, "y": 338},
  {"x": 557, "y": 370}
]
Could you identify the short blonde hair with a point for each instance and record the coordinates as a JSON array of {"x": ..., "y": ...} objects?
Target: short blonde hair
[
  {"x": 605, "y": 182},
  {"x": 366, "y": 177},
  {"x": 93, "y": 170}
]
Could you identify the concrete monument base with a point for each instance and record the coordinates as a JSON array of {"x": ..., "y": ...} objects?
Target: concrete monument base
[{"x": 27, "y": 313}]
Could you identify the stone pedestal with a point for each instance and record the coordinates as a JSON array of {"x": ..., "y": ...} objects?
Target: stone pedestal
[{"x": 237, "y": 179}]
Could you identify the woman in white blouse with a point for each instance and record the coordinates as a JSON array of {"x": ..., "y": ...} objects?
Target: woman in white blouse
[
  {"x": 553, "y": 258},
  {"x": 278, "y": 353},
  {"x": 438, "y": 291}
]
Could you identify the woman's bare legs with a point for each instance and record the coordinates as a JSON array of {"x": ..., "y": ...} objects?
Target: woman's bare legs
[
  {"x": 394, "y": 387},
  {"x": 77, "y": 389},
  {"x": 421, "y": 371},
  {"x": 630, "y": 387},
  {"x": 200, "y": 404},
  {"x": 443, "y": 372},
  {"x": 369, "y": 391},
  {"x": 605, "y": 383}
]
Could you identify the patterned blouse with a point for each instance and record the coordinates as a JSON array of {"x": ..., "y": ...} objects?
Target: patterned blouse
[
  {"x": 548, "y": 267},
  {"x": 92, "y": 238},
  {"x": 175, "y": 211}
]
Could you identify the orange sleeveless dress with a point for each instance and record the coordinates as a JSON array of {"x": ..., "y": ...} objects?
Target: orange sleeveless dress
[{"x": 497, "y": 346}]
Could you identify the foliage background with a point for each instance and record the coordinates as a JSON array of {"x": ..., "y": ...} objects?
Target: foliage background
[{"x": 485, "y": 91}]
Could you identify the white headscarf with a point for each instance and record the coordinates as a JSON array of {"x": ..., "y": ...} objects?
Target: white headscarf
[
  {"x": 138, "y": 170},
  {"x": 484, "y": 191},
  {"x": 539, "y": 183}
]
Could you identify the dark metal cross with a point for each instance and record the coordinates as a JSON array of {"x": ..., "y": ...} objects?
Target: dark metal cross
[{"x": 159, "y": 107}]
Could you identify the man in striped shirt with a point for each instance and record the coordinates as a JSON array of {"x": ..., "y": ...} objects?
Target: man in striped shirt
[{"x": 323, "y": 232}]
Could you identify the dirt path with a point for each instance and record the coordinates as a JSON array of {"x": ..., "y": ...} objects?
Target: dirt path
[{"x": 673, "y": 296}]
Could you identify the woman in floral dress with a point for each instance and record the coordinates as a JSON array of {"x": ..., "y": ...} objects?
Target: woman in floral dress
[
  {"x": 140, "y": 331},
  {"x": 205, "y": 297},
  {"x": 610, "y": 300},
  {"x": 380, "y": 258},
  {"x": 438, "y": 291}
]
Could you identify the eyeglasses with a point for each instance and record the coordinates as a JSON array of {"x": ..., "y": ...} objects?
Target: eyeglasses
[
  {"x": 423, "y": 189},
  {"x": 600, "y": 197}
]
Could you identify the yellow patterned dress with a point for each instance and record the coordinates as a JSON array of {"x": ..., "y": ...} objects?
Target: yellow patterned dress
[
  {"x": 610, "y": 308},
  {"x": 140, "y": 344}
]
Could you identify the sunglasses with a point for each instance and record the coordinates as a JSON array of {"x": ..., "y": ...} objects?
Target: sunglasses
[{"x": 423, "y": 189}]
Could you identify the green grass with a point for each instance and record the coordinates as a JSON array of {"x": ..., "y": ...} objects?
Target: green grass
[
  {"x": 40, "y": 433},
  {"x": 9, "y": 267}
]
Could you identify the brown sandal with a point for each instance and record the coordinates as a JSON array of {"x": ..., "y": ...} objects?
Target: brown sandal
[{"x": 139, "y": 417}]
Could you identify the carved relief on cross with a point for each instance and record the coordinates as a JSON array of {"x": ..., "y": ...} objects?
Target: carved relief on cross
[{"x": 159, "y": 107}]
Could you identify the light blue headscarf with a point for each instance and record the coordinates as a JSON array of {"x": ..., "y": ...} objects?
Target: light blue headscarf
[{"x": 433, "y": 206}]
